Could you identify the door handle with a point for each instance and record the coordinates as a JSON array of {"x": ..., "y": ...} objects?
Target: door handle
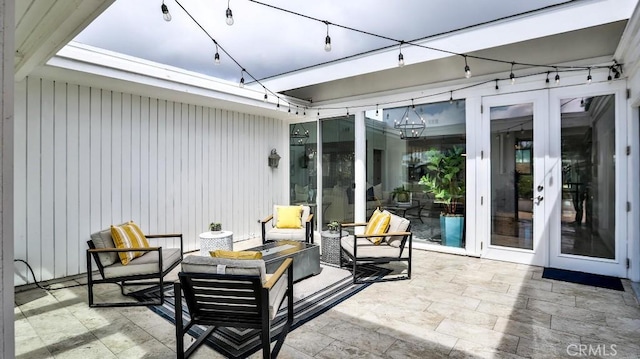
[{"x": 539, "y": 199}]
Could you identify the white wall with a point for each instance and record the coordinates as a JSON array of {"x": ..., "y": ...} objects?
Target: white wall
[{"x": 86, "y": 158}]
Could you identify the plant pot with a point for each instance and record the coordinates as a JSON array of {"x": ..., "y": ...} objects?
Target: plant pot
[{"x": 452, "y": 229}]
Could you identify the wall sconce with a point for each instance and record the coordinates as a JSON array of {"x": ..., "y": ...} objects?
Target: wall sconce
[{"x": 274, "y": 158}]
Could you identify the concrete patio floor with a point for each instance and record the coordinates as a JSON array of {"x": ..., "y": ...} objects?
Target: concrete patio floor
[{"x": 454, "y": 306}]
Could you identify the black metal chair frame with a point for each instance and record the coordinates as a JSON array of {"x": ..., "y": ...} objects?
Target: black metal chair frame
[
  {"x": 308, "y": 235},
  {"x": 225, "y": 300},
  {"x": 157, "y": 278},
  {"x": 355, "y": 260}
]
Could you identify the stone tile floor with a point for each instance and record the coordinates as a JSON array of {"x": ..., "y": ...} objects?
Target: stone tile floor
[{"x": 454, "y": 306}]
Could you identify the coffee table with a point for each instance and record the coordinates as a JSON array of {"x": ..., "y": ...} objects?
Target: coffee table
[{"x": 306, "y": 257}]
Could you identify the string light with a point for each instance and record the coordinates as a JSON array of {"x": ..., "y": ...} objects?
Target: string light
[
  {"x": 589, "y": 77},
  {"x": 615, "y": 68},
  {"x": 467, "y": 69},
  {"x": 165, "y": 12},
  {"x": 413, "y": 107},
  {"x": 216, "y": 57},
  {"x": 451, "y": 98},
  {"x": 241, "y": 84},
  {"x": 547, "y": 80},
  {"x": 229, "y": 14},
  {"x": 327, "y": 40},
  {"x": 318, "y": 112},
  {"x": 511, "y": 75},
  {"x": 376, "y": 109},
  {"x": 278, "y": 105},
  {"x": 296, "y": 110},
  {"x": 265, "y": 95}
]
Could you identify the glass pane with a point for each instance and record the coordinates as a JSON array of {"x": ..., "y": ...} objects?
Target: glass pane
[
  {"x": 402, "y": 142},
  {"x": 588, "y": 176},
  {"x": 303, "y": 157},
  {"x": 337, "y": 169},
  {"x": 512, "y": 176}
]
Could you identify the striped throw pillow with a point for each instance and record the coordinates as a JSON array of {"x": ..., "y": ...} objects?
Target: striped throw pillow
[
  {"x": 129, "y": 236},
  {"x": 378, "y": 224}
]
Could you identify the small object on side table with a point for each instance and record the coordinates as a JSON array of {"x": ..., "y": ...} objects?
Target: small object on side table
[
  {"x": 210, "y": 241},
  {"x": 330, "y": 246}
]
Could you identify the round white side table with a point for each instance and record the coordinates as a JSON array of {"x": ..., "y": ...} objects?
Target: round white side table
[{"x": 210, "y": 241}]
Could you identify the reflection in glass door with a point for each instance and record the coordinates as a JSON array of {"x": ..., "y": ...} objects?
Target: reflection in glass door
[
  {"x": 338, "y": 174},
  {"x": 588, "y": 176},
  {"x": 512, "y": 192}
]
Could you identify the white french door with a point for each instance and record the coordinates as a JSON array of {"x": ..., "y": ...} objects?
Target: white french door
[
  {"x": 552, "y": 178},
  {"x": 514, "y": 182},
  {"x": 587, "y": 139}
]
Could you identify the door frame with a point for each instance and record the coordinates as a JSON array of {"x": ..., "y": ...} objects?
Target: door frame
[{"x": 617, "y": 266}]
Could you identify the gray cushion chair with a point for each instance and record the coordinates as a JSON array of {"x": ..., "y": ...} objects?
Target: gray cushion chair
[
  {"x": 395, "y": 247},
  {"x": 270, "y": 231},
  {"x": 148, "y": 269},
  {"x": 222, "y": 292}
]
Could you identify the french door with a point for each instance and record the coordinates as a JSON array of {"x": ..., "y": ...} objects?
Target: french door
[
  {"x": 513, "y": 174},
  {"x": 553, "y": 171}
]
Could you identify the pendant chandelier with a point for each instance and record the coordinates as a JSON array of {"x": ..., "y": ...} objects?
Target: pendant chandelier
[
  {"x": 299, "y": 135},
  {"x": 411, "y": 124}
]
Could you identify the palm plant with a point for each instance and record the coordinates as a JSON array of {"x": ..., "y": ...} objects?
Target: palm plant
[{"x": 445, "y": 178}]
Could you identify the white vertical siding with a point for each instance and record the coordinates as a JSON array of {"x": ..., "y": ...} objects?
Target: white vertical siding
[{"x": 87, "y": 158}]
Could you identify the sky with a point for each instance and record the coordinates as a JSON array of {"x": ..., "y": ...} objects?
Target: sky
[{"x": 267, "y": 41}]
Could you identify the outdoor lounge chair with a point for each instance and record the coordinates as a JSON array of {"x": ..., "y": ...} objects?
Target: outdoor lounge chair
[
  {"x": 395, "y": 246},
  {"x": 275, "y": 227},
  {"x": 149, "y": 268},
  {"x": 222, "y": 292}
]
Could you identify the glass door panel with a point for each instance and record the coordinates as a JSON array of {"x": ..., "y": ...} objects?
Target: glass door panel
[
  {"x": 588, "y": 176},
  {"x": 512, "y": 176},
  {"x": 338, "y": 175}
]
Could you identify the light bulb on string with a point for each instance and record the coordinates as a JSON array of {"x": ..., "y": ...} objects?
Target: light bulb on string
[
  {"x": 547, "y": 80},
  {"x": 229, "y": 14},
  {"x": 400, "y": 56},
  {"x": 511, "y": 75},
  {"x": 165, "y": 12},
  {"x": 497, "y": 87},
  {"x": 278, "y": 105},
  {"x": 241, "y": 84},
  {"x": 609, "y": 78},
  {"x": 265, "y": 98},
  {"x": 467, "y": 69},
  {"x": 327, "y": 40},
  {"x": 376, "y": 109},
  {"x": 589, "y": 77},
  {"x": 216, "y": 57},
  {"x": 451, "y": 98},
  {"x": 557, "y": 77}
]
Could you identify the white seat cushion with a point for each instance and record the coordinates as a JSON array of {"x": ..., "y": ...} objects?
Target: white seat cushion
[
  {"x": 145, "y": 264},
  {"x": 278, "y": 234},
  {"x": 368, "y": 249}
]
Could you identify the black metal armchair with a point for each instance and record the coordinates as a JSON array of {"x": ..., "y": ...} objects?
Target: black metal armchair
[{"x": 243, "y": 297}]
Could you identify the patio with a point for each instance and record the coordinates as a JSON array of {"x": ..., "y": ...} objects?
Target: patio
[{"x": 454, "y": 306}]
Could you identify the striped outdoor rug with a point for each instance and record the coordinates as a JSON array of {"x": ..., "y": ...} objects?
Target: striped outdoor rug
[{"x": 312, "y": 297}]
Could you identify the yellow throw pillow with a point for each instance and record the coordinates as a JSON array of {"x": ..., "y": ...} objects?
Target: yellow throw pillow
[
  {"x": 289, "y": 217},
  {"x": 221, "y": 253},
  {"x": 378, "y": 224},
  {"x": 128, "y": 236}
]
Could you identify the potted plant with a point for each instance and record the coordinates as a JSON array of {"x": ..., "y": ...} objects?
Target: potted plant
[
  {"x": 215, "y": 227},
  {"x": 401, "y": 195},
  {"x": 444, "y": 179},
  {"x": 333, "y": 226}
]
